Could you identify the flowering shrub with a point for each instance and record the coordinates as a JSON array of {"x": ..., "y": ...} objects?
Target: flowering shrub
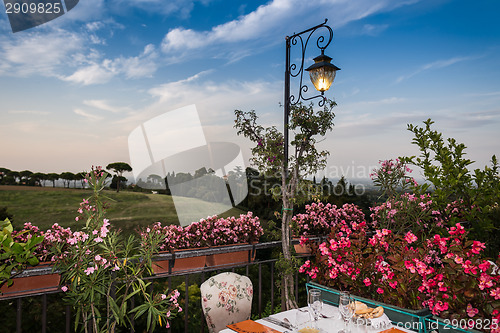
[
  {"x": 458, "y": 282},
  {"x": 320, "y": 218},
  {"x": 212, "y": 231},
  {"x": 448, "y": 274},
  {"x": 101, "y": 271},
  {"x": 416, "y": 213},
  {"x": 392, "y": 176},
  {"x": 408, "y": 212}
]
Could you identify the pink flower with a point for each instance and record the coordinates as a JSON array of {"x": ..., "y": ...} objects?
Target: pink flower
[
  {"x": 440, "y": 307},
  {"x": 89, "y": 270},
  {"x": 495, "y": 293},
  {"x": 380, "y": 290},
  {"x": 471, "y": 312},
  {"x": 484, "y": 266},
  {"x": 477, "y": 247},
  {"x": 410, "y": 237},
  {"x": 367, "y": 282},
  {"x": 64, "y": 288},
  {"x": 485, "y": 281}
]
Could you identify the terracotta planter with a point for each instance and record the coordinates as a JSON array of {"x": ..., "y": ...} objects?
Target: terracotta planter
[
  {"x": 301, "y": 249},
  {"x": 179, "y": 264},
  {"x": 230, "y": 258},
  {"x": 32, "y": 281}
]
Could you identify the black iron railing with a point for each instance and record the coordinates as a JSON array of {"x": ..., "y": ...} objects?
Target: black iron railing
[{"x": 262, "y": 272}]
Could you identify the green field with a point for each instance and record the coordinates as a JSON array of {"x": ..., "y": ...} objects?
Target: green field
[{"x": 44, "y": 206}]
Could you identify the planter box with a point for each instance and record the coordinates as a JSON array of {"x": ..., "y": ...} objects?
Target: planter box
[
  {"x": 410, "y": 319},
  {"x": 230, "y": 255},
  {"x": 190, "y": 260},
  {"x": 437, "y": 325},
  {"x": 301, "y": 249},
  {"x": 37, "y": 280}
]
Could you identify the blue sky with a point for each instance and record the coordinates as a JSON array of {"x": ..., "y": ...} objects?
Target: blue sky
[{"x": 73, "y": 89}]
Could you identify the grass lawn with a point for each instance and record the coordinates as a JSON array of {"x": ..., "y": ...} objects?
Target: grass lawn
[{"x": 44, "y": 206}]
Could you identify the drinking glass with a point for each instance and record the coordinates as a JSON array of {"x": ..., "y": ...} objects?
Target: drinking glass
[
  {"x": 315, "y": 304},
  {"x": 302, "y": 320},
  {"x": 346, "y": 308}
]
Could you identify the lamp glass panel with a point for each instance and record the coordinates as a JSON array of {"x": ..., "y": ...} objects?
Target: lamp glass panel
[{"x": 322, "y": 78}]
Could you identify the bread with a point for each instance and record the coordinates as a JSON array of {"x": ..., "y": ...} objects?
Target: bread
[
  {"x": 363, "y": 311},
  {"x": 360, "y": 306},
  {"x": 377, "y": 312}
]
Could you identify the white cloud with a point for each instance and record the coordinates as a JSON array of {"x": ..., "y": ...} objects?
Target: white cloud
[
  {"x": 94, "y": 26},
  {"x": 374, "y": 30},
  {"x": 143, "y": 65},
  {"x": 38, "y": 53},
  {"x": 435, "y": 65},
  {"x": 104, "y": 105},
  {"x": 269, "y": 21},
  {"x": 88, "y": 116},
  {"x": 92, "y": 74}
]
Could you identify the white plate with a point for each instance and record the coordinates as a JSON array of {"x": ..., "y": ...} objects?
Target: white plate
[{"x": 319, "y": 331}]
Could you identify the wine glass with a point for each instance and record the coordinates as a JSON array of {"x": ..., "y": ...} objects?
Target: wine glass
[
  {"x": 302, "y": 320},
  {"x": 346, "y": 308},
  {"x": 315, "y": 304}
]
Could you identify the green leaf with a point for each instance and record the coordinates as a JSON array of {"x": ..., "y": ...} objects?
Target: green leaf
[{"x": 33, "y": 261}]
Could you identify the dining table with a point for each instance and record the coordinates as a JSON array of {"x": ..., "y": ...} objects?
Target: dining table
[{"x": 329, "y": 322}]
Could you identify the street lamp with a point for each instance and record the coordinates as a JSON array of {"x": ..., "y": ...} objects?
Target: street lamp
[{"x": 322, "y": 73}]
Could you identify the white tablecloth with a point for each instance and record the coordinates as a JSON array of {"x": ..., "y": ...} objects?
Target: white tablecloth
[{"x": 329, "y": 325}]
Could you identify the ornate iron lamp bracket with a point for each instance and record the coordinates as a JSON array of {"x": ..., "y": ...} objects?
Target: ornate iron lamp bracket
[{"x": 296, "y": 69}]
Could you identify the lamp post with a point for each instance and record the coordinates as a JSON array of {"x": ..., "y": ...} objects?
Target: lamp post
[{"x": 322, "y": 74}]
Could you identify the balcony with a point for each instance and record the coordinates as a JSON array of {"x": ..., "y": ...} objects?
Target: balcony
[{"x": 44, "y": 311}]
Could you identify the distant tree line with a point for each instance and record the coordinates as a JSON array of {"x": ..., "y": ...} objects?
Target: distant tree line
[
  {"x": 68, "y": 179},
  {"x": 29, "y": 178},
  {"x": 261, "y": 202}
]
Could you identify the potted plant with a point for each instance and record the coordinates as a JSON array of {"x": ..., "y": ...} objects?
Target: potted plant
[
  {"x": 36, "y": 279},
  {"x": 177, "y": 241},
  {"x": 211, "y": 232},
  {"x": 15, "y": 256},
  {"x": 233, "y": 231}
]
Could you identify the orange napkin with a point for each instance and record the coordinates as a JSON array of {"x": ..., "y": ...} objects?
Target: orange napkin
[
  {"x": 392, "y": 330},
  {"x": 250, "y": 326}
]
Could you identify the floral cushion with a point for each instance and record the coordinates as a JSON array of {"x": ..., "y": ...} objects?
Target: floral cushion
[{"x": 226, "y": 299}]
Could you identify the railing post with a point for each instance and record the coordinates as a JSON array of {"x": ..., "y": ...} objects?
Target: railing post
[
  {"x": 68, "y": 319},
  {"x": 19, "y": 315},
  {"x": 272, "y": 287},
  {"x": 186, "y": 304},
  {"x": 260, "y": 290},
  {"x": 44, "y": 313}
]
